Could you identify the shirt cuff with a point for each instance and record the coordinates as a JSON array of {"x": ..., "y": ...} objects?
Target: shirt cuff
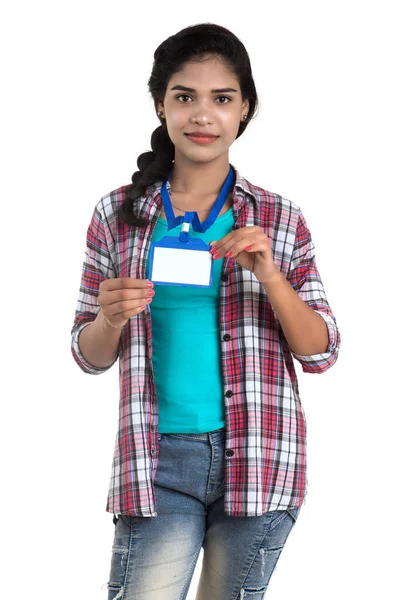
[
  {"x": 322, "y": 361},
  {"x": 86, "y": 366}
]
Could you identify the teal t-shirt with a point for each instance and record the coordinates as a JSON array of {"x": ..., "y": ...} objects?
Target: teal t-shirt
[{"x": 187, "y": 344}]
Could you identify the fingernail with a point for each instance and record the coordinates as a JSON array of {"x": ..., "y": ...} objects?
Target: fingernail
[
  {"x": 150, "y": 284},
  {"x": 213, "y": 250},
  {"x": 248, "y": 248},
  {"x": 211, "y": 243},
  {"x": 216, "y": 255},
  {"x": 151, "y": 292},
  {"x": 229, "y": 253}
]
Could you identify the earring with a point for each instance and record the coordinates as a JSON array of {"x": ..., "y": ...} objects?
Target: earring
[
  {"x": 160, "y": 114},
  {"x": 244, "y": 117}
]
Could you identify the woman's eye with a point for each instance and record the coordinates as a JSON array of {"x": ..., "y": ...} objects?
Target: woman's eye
[{"x": 182, "y": 96}]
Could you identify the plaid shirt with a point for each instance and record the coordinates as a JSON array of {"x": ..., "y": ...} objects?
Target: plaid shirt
[{"x": 265, "y": 451}]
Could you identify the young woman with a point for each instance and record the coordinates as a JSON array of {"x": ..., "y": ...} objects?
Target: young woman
[{"x": 210, "y": 450}]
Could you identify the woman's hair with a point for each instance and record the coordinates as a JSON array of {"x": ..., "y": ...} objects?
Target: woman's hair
[{"x": 192, "y": 44}]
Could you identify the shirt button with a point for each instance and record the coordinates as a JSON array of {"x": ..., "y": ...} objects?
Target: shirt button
[
  {"x": 227, "y": 337},
  {"x": 229, "y": 393},
  {"x": 224, "y": 277},
  {"x": 229, "y": 452},
  {"x": 235, "y": 226}
]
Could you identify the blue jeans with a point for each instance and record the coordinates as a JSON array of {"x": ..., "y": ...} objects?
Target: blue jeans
[{"x": 153, "y": 558}]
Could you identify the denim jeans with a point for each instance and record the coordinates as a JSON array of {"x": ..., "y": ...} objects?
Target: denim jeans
[{"x": 153, "y": 558}]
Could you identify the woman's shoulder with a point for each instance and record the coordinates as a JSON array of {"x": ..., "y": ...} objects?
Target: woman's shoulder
[
  {"x": 268, "y": 199},
  {"x": 110, "y": 202},
  {"x": 105, "y": 216},
  {"x": 109, "y": 206}
]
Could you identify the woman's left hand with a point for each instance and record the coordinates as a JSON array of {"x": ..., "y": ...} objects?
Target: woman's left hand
[{"x": 251, "y": 248}]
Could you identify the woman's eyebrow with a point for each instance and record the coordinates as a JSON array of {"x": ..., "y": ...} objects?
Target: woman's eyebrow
[{"x": 187, "y": 89}]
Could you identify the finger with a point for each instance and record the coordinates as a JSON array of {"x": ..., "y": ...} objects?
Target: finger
[
  {"x": 232, "y": 249},
  {"x": 257, "y": 247},
  {"x": 224, "y": 240},
  {"x": 245, "y": 245},
  {"x": 118, "y": 283},
  {"x": 235, "y": 237},
  {"x": 124, "y": 308},
  {"x": 112, "y": 300}
]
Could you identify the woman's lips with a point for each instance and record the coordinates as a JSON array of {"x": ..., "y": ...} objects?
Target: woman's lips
[{"x": 201, "y": 139}]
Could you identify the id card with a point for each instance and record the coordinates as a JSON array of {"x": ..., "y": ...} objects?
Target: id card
[{"x": 172, "y": 262}]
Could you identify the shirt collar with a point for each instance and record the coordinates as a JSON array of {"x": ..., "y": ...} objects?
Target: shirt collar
[{"x": 243, "y": 190}]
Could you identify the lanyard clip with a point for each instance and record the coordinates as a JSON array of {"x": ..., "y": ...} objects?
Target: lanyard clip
[{"x": 187, "y": 220}]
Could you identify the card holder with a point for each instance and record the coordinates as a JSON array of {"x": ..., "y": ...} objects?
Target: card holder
[{"x": 173, "y": 262}]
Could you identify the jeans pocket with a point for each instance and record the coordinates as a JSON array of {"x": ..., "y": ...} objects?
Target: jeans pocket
[
  {"x": 279, "y": 528},
  {"x": 294, "y": 512}
]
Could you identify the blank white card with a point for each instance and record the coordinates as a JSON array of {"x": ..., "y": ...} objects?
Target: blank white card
[{"x": 190, "y": 267}]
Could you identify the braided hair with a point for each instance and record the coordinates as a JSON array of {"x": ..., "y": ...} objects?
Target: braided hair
[{"x": 195, "y": 43}]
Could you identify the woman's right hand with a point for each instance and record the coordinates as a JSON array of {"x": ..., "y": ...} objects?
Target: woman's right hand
[{"x": 123, "y": 298}]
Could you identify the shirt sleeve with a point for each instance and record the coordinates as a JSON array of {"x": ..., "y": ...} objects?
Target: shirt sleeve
[
  {"x": 97, "y": 266},
  {"x": 305, "y": 279}
]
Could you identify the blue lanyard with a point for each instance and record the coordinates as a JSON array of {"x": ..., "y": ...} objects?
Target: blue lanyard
[{"x": 192, "y": 216}]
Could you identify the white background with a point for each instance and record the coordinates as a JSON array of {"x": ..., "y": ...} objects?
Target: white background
[{"x": 75, "y": 115}]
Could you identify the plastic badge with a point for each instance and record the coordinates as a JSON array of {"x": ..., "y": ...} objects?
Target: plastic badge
[{"x": 172, "y": 262}]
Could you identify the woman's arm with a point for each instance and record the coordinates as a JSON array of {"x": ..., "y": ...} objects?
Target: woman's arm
[{"x": 305, "y": 330}]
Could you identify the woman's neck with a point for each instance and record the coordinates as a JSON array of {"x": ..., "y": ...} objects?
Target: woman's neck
[
  {"x": 183, "y": 203},
  {"x": 199, "y": 180}
]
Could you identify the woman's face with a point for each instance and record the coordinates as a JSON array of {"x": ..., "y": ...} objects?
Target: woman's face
[{"x": 201, "y": 109}]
